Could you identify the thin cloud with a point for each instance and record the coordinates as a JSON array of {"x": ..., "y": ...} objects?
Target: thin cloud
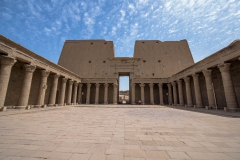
[{"x": 208, "y": 25}]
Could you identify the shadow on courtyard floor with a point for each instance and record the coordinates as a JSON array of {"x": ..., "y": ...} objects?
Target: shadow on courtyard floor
[{"x": 218, "y": 112}]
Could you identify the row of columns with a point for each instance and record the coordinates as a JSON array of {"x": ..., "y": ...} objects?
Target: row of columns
[
  {"x": 8, "y": 62},
  {"x": 174, "y": 97},
  {"x": 227, "y": 85},
  {"x": 142, "y": 85},
  {"x": 97, "y": 85},
  {"x": 5, "y": 72}
]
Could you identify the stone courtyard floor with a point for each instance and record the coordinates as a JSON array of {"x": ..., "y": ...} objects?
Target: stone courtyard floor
[{"x": 118, "y": 133}]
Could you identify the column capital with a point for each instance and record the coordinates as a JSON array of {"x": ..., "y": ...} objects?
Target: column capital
[
  {"x": 29, "y": 68},
  {"x": 169, "y": 84},
  {"x": 89, "y": 85},
  {"x": 97, "y": 84},
  {"x": 207, "y": 72},
  {"x": 45, "y": 73},
  {"x": 195, "y": 75},
  {"x": 150, "y": 84},
  {"x": 186, "y": 79},
  {"x": 174, "y": 84},
  {"x": 115, "y": 84},
  {"x": 7, "y": 61},
  {"x": 179, "y": 82},
  {"x": 133, "y": 84},
  {"x": 225, "y": 67},
  {"x": 64, "y": 80},
  {"x": 80, "y": 85},
  {"x": 56, "y": 76},
  {"x": 106, "y": 84},
  {"x": 160, "y": 84},
  {"x": 142, "y": 85},
  {"x": 75, "y": 84},
  {"x": 70, "y": 82}
]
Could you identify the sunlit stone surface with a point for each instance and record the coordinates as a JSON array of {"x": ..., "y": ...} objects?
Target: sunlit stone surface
[{"x": 123, "y": 133}]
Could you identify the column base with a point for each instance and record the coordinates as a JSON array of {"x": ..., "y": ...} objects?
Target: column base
[
  {"x": 105, "y": 103},
  {"x": 175, "y": 104},
  {"x": 28, "y": 107},
  {"x": 2, "y": 109},
  {"x": 96, "y": 103},
  {"x": 114, "y": 103},
  {"x": 208, "y": 108},
  {"x": 51, "y": 105}
]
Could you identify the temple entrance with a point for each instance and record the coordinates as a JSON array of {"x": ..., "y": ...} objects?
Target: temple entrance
[{"x": 124, "y": 88}]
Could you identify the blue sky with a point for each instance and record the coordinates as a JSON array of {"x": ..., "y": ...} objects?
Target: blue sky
[{"x": 43, "y": 25}]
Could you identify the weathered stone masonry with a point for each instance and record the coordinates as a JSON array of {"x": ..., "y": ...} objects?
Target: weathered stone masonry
[
  {"x": 160, "y": 73},
  {"x": 27, "y": 79}
]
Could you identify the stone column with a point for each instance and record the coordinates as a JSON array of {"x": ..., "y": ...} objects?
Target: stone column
[
  {"x": 175, "y": 101},
  {"x": 106, "y": 93},
  {"x": 80, "y": 93},
  {"x": 88, "y": 93},
  {"x": 228, "y": 87},
  {"x": 115, "y": 93},
  {"x": 133, "y": 93},
  {"x": 142, "y": 85},
  {"x": 26, "y": 86},
  {"x": 69, "y": 94},
  {"x": 62, "y": 93},
  {"x": 5, "y": 72},
  {"x": 160, "y": 93},
  {"x": 151, "y": 93},
  {"x": 97, "y": 93},
  {"x": 169, "y": 93},
  {"x": 188, "y": 91},
  {"x": 197, "y": 91},
  {"x": 209, "y": 84},
  {"x": 42, "y": 88},
  {"x": 74, "y": 99},
  {"x": 180, "y": 92},
  {"x": 53, "y": 93}
]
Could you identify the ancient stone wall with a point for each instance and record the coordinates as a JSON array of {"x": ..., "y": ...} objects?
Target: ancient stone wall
[{"x": 162, "y": 59}]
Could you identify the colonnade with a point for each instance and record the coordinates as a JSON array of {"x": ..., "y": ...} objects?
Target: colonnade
[
  {"x": 228, "y": 87},
  {"x": 175, "y": 90},
  {"x": 142, "y": 85},
  {"x": 96, "y": 100},
  {"x": 7, "y": 63}
]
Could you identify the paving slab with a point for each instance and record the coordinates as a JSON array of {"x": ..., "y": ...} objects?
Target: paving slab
[{"x": 115, "y": 132}]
